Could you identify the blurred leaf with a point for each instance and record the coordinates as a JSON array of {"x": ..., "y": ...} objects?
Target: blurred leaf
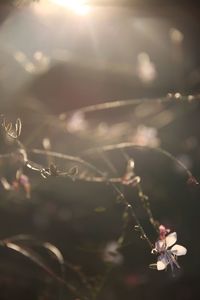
[
  {"x": 100, "y": 209},
  {"x": 120, "y": 240},
  {"x": 125, "y": 216}
]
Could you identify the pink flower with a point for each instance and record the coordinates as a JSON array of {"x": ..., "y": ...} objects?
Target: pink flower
[
  {"x": 21, "y": 181},
  {"x": 168, "y": 256}
]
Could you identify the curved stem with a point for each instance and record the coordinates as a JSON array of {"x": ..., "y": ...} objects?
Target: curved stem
[
  {"x": 129, "y": 102},
  {"x": 133, "y": 145},
  {"x": 66, "y": 157}
]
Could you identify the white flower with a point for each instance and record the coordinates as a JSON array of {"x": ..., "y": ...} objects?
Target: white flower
[
  {"x": 168, "y": 256},
  {"x": 111, "y": 253}
]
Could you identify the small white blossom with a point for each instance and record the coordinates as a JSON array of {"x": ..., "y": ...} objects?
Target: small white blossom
[
  {"x": 111, "y": 253},
  {"x": 168, "y": 256},
  {"x": 76, "y": 122}
]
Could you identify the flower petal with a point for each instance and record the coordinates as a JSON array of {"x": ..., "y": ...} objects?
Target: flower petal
[
  {"x": 178, "y": 250},
  {"x": 160, "y": 245},
  {"x": 162, "y": 262},
  {"x": 171, "y": 239}
]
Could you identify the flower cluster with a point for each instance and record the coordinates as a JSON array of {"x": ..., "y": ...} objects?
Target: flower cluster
[{"x": 20, "y": 181}]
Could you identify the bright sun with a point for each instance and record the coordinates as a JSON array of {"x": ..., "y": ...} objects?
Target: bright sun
[{"x": 78, "y": 6}]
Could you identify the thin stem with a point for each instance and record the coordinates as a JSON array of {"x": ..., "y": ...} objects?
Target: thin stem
[
  {"x": 135, "y": 146},
  {"x": 66, "y": 157},
  {"x": 130, "y": 209},
  {"x": 146, "y": 204},
  {"x": 143, "y": 198},
  {"x": 130, "y": 102},
  {"x": 115, "y": 188}
]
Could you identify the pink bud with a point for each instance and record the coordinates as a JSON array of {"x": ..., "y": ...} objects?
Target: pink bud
[{"x": 163, "y": 231}]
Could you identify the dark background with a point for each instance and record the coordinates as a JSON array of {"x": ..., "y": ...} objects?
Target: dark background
[{"x": 53, "y": 61}]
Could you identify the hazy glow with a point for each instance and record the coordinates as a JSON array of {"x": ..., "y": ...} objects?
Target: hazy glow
[
  {"x": 145, "y": 68},
  {"x": 78, "y": 6},
  {"x": 176, "y": 36}
]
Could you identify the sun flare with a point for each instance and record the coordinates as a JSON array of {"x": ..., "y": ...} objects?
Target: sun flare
[{"x": 77, "y": 6}]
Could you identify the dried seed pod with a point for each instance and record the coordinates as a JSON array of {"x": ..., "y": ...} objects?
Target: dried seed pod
[{"x": 12, "y": 131}]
